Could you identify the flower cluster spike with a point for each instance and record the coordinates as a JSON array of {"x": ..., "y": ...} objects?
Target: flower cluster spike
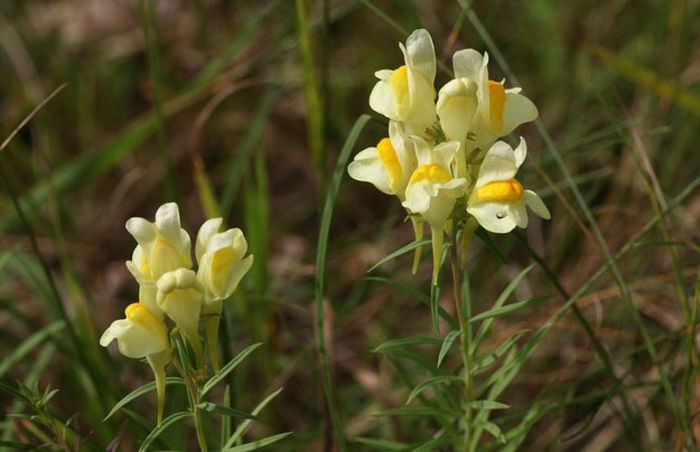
[
  {"x": 443, "y": 151},
  {"x": 168, "y": 287}
]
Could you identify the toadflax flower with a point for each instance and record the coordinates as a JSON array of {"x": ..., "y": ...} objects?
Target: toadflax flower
[
  {"x": 432, "y": 190},
  {"x": 179, "y": 295},
  {"x": 389, "y": 165},
  {"x": 498, "y": 200},
  {"x": 222, "y": 265},
  {"x": 407, "y": 93},
  {"x": 142, "y": 334},
  {"x": 477, "y": 111},
  {"x": 163, "y": 245}
]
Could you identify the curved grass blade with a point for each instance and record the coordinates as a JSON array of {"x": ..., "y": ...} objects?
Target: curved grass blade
[
  {"x": 400, "y": 252},
  {"x": 167, "y": 422},
  {"x": 213, "y": 381},
  {"x": 507, "y": 309},
  {"x": 381, "y": 444},
  {"x": 29, "y": 344},
  {"x": 259, "y": 444},
  {"x": 415, "y": 340},
  {"x": 446, "y": 344},
  {"x": 244, "y": 425},
  {"x": 136, "y": 393},
  {"x": 432, "y": 382},
  {"x": 321, "y": 251},
  {"x": 224, "y": 410}
]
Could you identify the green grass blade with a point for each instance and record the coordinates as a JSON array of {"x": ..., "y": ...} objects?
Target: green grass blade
[
  {"x": 224, "y": 410},
  {"x": 29, "y": 344},
  {"x": 432, "y": 382},
  {"x": 321, "y": 251},
  {"x": 238, "y": 433},
  {"x": 258, "y": 444},
  {"x": 228, "y": 368},
  {"x": 400, "y": 252},
  {"x": 416, "y": 340},
  {"x": 156, "y": 432},
  {"x": 446, "y": 344},
  {"x": 509, "y": 308},
  {"x": 138, "y": 392}
]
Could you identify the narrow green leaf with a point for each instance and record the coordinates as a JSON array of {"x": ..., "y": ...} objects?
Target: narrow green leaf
[
  {"x": 507, "y": 309},
  {"x": 244, "y": 425},
  {"x": 446, "y": 344},
  {"x": 382, "y": 444},
  {"x": 414, "y": 340},
  {"x": 259, "y": 444},
  {"x": 432, "y": 382},
  {"x": 417, "y": 411},
  {"x": 226, "y": 411},
  {"x": 483, "y": 362},
  {"x": 136, "y": 393},
  {"x": 488, "y": 405},
  {"x": 400, "y": 252},
  {"x": 484, "y": 328},
  {"x": 167, "y": 422},
  {"x": 213, "y": 381},
  {"x": 29, "y": 344},
  {"x": 495, "y": 430}
]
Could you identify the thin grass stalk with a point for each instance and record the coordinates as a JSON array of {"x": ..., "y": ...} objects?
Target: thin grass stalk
[{"x": 150, "y": 31}]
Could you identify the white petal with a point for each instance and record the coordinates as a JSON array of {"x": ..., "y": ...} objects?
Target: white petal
[
  {"x": 141, "y": 229},
  {"x": 368, "y": 167},
  {"x": 498, "y": 165},
  {"x": 113, "y": 331},
  {"x": 520, "y": 152},
  {"x": 444, "y": 152},
  {"x": 420, "y": 53},
  {"x": 456, "y": 107},
  {"x": 206, "y": 231},
  {"x": 404, "y": 150},
  {"x": 493, "y": 216},
  {"x": 417, "y": 197},
  {"x": 421, "y": 112},
  {"x": 423, "y": 150},
  {"x": 381, "y": 100},
  {"x": 384, "y": 74},
  {"x": 467, "y": 63},
  {"x": 518, "y": 212},
  {"x": 535, "y": 203},
  {"x": 517, "y": 110},
  {"x": 168, "y": 222}
]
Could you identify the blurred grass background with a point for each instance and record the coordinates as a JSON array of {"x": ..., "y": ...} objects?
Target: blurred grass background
[{"x": 240, "y": 108}]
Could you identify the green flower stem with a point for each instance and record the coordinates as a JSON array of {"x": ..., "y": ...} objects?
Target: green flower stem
[
  {"x": 201, "y": 439},
  {"x": 463, "y": 313}
]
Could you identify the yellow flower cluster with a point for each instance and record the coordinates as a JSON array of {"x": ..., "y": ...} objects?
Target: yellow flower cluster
[
  {"x": 442, "y": 151},
  {"x": 170, "y": 289}
]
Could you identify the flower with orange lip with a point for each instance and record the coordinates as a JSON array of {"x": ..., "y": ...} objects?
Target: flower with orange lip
[
  {"x": 407, "y": 93},
  {"x": 498, "y": 200},
  {"x": 432, "y": 190},
  {"x": 475, "y": 110}
]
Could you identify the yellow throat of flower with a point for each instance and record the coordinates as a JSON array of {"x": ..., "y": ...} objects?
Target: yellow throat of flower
[
  {"x": 387, "y": 154},
  {"x": 497, "y": 99},
  {"x": 138, "y": 313},
  {"x": 431, "y": 172},
  {"x": 500, "y": 191},
  {"x": 399, "y": 84}
]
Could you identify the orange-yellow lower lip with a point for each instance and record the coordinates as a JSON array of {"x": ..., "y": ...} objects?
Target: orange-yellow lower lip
[
  {"x": 503, "y": 191},
  {"x": 497, "y": 100},
  {"x": 387, "y": 154},
  {"x": 431, "y": 172}
]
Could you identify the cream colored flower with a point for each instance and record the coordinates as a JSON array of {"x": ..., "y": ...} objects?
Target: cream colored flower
[
  {"x": 138, "y": 335},
  {"x": 498, "y": 200},
  {"x": 163, "y": 245},
  {"x": 180, "y": 296},
  {"x": 472, "y": 107},
  {"x": 433, "y": 190},
  {"x": 221, "y": 260},
  {"x": 222, "y": 265},
  {"x": 407, "y": 94},
  {"x": 389, "y": 165},
  {"x": 142, "y": 334}
]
